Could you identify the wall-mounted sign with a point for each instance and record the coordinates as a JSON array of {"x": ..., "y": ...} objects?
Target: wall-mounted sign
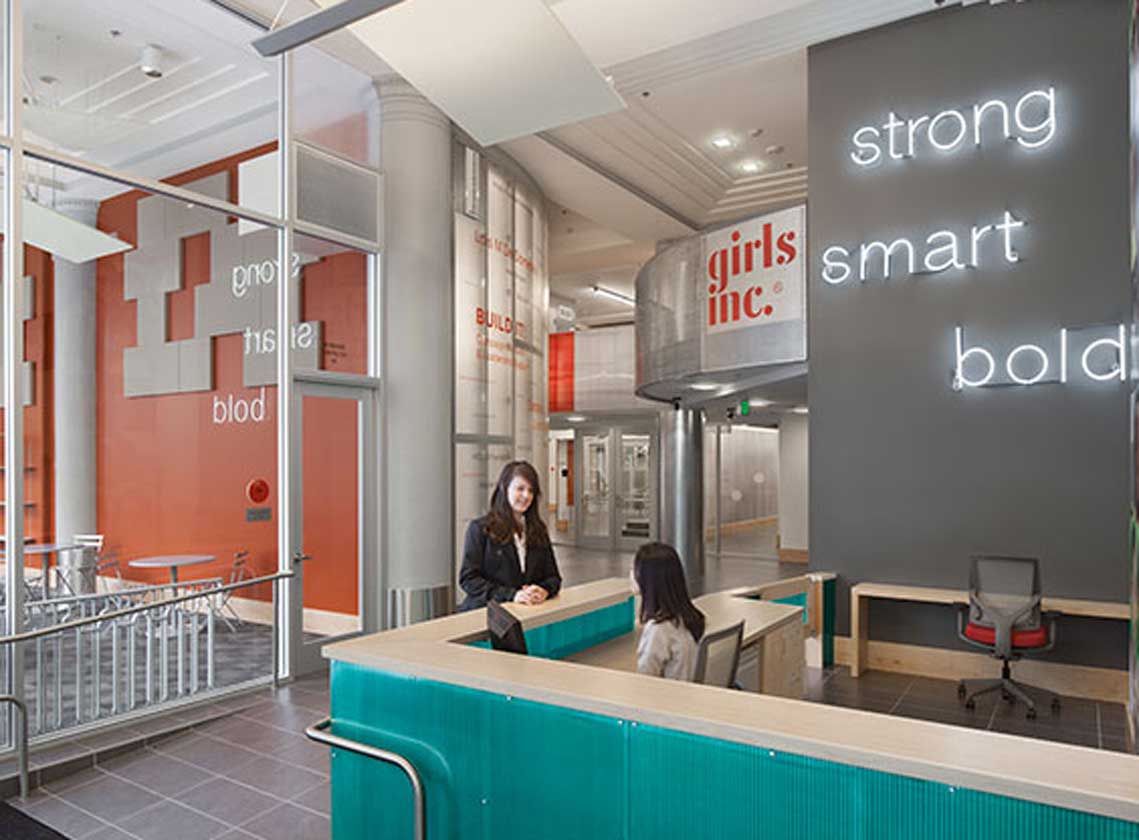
[
  {"x": 1030, "y": 121},
  {"x": 755, "y": 272}
]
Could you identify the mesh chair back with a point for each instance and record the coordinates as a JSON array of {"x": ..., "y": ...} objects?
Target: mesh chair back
[
  {"x": 718, "y": 657},
  {"x": 1004, "y": 586}
]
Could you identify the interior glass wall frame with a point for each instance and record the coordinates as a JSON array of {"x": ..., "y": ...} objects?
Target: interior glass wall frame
[{"x": 282, "y": 217}]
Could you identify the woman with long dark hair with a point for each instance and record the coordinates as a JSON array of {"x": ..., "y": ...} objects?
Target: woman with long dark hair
[
  {"x": 507, "y": 554},
  {"x": 672, "y": 624}
]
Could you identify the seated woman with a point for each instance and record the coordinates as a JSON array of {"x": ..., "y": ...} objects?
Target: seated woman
[
  {"x": 673, "y": 625},
  {"x": 507, "y": 554}
]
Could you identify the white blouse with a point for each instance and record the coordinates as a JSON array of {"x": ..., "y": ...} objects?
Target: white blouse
[
  {"x": 520, "y": 546},
  {"x": 667, "y": 649}
]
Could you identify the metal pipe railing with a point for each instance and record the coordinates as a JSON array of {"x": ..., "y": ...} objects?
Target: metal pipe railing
[
  {"x": 319, "y": 733},
  {"x": 172, "y": 624},
  {"x": 138, "y": 608},
  {"x": 21, "y": 741}
]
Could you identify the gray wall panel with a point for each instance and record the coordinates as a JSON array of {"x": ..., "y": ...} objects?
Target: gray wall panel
[{"x": 908, "y": 476}]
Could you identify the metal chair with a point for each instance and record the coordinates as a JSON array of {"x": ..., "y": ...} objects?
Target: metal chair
[
  {"x": 1004, "y": 618},
  {"x": 718, "y": 657},
  {"x": 238, "y": 573}
]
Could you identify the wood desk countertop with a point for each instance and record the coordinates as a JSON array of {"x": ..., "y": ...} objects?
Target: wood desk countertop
[
  {"x": 939, "y": 595},
  {"x": 1080, "y": 778}
]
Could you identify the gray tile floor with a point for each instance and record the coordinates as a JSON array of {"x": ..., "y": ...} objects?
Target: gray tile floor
[
  {"x": 1086, "y": 723},
  {"x": 252, "y": 774}
]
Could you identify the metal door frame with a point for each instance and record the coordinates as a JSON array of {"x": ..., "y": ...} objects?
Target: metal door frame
[
  {"x": 614, "y": 431},
  {"x": 364, "y": 391},
  {"x": 623, "y": 543}
]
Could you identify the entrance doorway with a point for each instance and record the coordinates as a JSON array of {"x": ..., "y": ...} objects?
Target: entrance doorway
[{"x": 615, "y": 491}]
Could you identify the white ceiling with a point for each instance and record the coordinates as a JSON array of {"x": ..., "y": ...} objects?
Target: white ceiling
[
  {"x": 641, "y": 175},
  {"x": 87, "y": 97},
  {"x": 612, "y": 32}
]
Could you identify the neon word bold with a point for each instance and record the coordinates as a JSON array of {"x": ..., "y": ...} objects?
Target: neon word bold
[
  {"x": 239, "y": 410},
  {"x": 1033, "y": 117},
  {"x": 1101, "y": 360},
  {"x": 944, "y": 251},
  {"x": 741, "y": 258}
]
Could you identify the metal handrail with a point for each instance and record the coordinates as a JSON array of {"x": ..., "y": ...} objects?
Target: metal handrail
[
  {"x": 125, "y": 591},
  {"x": 22, "y": 741},
  {"x": 319, "y": 732},
  {"x": 117, "y": 614}
]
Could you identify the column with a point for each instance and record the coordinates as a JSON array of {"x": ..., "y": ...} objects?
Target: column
[
  {"x": 73, "y": 327},
  {"x": 682, "y": 489},
  {"x": 417, "y": 291}
]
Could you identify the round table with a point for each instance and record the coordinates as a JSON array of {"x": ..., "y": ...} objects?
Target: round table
[
  {"x": 172, "y": 562},
  {"x": 45, "y": 550}
]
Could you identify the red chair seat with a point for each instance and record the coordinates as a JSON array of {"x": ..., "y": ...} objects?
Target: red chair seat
[{"x": 1037, "y": 638}]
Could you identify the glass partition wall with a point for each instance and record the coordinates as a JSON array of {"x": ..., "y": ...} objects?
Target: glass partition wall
[{"x": 185, "y": 277}]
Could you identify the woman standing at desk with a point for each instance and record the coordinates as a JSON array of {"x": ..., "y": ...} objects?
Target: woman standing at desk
[{"x": 507, "y": 554}]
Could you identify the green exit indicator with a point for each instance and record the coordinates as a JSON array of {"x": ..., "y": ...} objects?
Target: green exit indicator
[{"x": 745, "y": 408}]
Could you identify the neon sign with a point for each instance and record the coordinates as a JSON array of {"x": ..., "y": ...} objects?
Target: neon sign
[
  {"x": 1029, "y": 364},
  {"x": 944, "y": 252},
  {"x": 947, "y": 130},
  {"x": 1031, "y": 122}
]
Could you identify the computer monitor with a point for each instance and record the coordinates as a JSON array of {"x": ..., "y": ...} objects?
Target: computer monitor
[{"x": 505, "y": 630}]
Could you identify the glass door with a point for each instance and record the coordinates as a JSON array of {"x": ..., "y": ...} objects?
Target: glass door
[
  {"x": 615, "y": 482},
  {"x": 334, "y": 512},
  {"x": 595, "y": 510},
  {"x": 635, "y": 507}
]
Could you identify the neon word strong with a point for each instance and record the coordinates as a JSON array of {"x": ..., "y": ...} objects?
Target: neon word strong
[{"x": 1031, "y": 122}]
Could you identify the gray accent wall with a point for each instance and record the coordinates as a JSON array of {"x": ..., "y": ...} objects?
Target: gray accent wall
[{"x": 909, "y": 477}]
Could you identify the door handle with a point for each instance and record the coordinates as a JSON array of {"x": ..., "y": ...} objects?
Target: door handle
[{"x": 300, "y": 557}]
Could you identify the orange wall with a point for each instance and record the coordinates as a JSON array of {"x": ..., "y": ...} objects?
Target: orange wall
[
  {"x": 39, "y": 486},
  {"x": 170, "y": 480}
]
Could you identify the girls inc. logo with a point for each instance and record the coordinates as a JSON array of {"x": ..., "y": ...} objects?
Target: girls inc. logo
[{"x": 732, "y": 296}]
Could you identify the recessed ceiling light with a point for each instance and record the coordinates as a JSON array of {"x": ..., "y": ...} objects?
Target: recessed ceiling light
[
  {"x": 759, "y": 403},
  {"x": 799, "y": 409},
  {"x": 704, "y": 386},
  {"x": 575, "y": 418},
  {"x": 756, "y": 132},
  {"x": 722, "y": 142},
  {"x": 751, "y": 166},
  {"x": 774, "y": 150}
]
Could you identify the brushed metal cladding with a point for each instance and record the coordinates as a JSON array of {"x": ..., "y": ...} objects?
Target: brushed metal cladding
[
  {"x": 674, "y": 349},
  {"x": 668, "y": 318}
]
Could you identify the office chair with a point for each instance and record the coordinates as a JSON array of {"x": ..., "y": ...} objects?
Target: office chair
[
  {"x": 1004, "y": 618},
  {"x": 718, "y": 657}
]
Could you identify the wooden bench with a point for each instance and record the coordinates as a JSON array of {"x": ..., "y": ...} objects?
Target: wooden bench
[{"x": 861, "y": 593}]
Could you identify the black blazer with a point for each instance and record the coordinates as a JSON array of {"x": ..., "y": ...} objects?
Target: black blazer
[{"x": 491, "y": 570}]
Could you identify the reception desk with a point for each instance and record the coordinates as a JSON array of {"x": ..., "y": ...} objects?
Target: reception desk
[
  {"x": 542, "y": 746},
  {"x": 771, "y": 657}
]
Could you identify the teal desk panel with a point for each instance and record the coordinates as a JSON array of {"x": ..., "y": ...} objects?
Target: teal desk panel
[
  {"x": 491, "y": 766},
  {"x": 496, "y": 767},
  {"x": 799, "y": 600},
  {"x": 565, "y": 638}
]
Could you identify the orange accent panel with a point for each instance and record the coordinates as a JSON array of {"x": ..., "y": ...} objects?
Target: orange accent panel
[
  {"x": 170, "y": 479},
  {"x": 561, "y": 372},
  {"x": 330, "y": 466}
]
